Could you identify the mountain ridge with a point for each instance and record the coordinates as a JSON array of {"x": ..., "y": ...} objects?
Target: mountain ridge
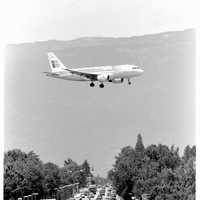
[{"x": 89, "y": 38}]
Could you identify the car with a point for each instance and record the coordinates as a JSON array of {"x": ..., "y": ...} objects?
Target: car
[
  {"x": 93, "y": 189},
  {"x": 102, "y": 192}
]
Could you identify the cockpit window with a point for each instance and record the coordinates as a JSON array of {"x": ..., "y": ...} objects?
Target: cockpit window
[{"x": 135, "y": 67}]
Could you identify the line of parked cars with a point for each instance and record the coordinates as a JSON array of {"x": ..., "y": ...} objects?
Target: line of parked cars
[{"x": 94, "y": 192}]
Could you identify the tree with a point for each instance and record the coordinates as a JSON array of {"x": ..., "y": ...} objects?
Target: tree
[
  {"x": 189, "y": 152},
  {"x": 193, "y": 151},
  {"x": 148, "y": 170},
  {"x": 187, "y": 176},
  {"x": 68, "y": 172},
  {"x": 52, "y": 178},
  {"x": 74, "y": 173},
  {"x": 111, "y": 175},
  {"x": 163, "y": 156},
  {"x": 86, "y": 168},
  {"x": 123, "y": 170},
  {"x": 34, "y": 174},
  {"x": 85, "y": 173},
  {"x": 23, "y": 173},
  {"x": 139, "y": 147}
]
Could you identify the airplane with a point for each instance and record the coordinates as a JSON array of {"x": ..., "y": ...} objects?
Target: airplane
[{"x": 101, "y": 74}]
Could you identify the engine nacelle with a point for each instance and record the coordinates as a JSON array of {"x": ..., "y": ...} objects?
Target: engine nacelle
[
  {"x": 103, "y": 78},
  {"x": 117, "y": 80}
]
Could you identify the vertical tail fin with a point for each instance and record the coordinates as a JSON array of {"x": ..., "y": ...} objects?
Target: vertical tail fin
[{"x": 55, "y": 64}]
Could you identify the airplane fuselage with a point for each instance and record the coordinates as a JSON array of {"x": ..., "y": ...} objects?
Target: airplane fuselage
[
  {"x": 101, "y": 74},
  {"x": 118, "y": 71}
]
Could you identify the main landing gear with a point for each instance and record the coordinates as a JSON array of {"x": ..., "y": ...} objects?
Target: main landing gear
[{"x": 101, "y": 85}]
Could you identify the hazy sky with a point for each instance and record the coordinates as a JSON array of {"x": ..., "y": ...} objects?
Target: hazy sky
[{"x": 32, "y": 20}]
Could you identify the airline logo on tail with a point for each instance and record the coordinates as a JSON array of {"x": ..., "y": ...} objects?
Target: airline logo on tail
[{"x": 54, "y": 63}]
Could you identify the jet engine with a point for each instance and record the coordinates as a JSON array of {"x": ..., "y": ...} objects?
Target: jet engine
[
  {"x": 117, "y": 80},
  {"x": 103, "y": 78}
]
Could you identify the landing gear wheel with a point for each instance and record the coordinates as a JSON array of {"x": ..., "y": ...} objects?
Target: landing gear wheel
[
  {"x": 129, "y": 82},
  {"x": 101, "y": 85},
  {"x": 91, "y": 84}
]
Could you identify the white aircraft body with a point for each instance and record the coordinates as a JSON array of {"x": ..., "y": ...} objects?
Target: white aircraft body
[{"x": 101, "y": 74}]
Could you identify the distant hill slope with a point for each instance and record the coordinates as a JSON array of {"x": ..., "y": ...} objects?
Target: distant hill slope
[{"x": 104, "y": 51}]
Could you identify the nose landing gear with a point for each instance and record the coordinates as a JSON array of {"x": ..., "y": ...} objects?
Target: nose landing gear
[{"x": 129, "y": 82}]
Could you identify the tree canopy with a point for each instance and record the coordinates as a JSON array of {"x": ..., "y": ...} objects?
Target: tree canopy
[
  {"x": 25, "y": 173},
  {"x": 156, "y": 170},
  {"x": 139, "y": 147}
]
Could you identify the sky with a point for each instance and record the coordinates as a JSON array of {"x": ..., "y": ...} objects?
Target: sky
[
  {"x": 33, "y": 20},
  {"x": 29, "y": 21}
]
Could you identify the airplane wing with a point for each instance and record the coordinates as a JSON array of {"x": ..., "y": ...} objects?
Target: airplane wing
[{"x": 91, "y": 76}]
